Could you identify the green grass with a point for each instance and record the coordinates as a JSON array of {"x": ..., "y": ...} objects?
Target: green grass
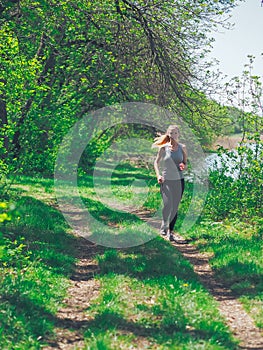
[
  {"x": 149, "y": 294},
  {"x": 105, "y": 200},
  {"x": 124, "y": 184},
  {"x": 237, "y": 260},
  {"x": 37, "y": 259}
]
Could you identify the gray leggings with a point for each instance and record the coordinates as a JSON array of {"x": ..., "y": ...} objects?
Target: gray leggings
[{"x": 171, "y": 191}]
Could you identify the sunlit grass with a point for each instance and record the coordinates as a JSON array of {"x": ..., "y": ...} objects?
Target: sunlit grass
[
  {"x": 237, "y": 260},
  {"x": 34, "y": 273},
  {"x": 151, "y": 295}
]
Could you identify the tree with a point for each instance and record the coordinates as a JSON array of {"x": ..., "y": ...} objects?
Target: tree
[
  {"x": 243, "y": 189},
  {"x": 245, "y": 93},
  {"x": 62, "y": 59}
]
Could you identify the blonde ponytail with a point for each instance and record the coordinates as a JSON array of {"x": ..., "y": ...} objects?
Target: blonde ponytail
[
  {"x": 165, "y": 138},
  {"x": 161, "y": 140}
]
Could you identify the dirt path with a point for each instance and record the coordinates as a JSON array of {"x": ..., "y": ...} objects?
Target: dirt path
[
  {"x": 72, "y": 319},
  {"x": 240, "y": 323}
]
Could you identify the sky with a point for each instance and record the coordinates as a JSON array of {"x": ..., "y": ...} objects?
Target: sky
[{"x": 231, "y": 47}]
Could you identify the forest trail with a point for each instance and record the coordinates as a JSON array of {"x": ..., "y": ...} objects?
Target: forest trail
[
  {"x": 240, "y": 323},
  {"x": 72, "y": 319}
]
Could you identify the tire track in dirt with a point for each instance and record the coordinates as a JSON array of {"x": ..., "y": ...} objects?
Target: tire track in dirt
[
  {"x": 71, "y": 320},
  {"x": 238, "y": 320},
  {"x": 240, "y": 323}
]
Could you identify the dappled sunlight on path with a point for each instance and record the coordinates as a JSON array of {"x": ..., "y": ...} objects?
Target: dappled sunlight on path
[
  {"x": 72, "y": 319},
  {"x": 231, "y": 309}
]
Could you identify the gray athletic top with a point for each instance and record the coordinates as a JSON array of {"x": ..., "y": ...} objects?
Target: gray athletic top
[{"x": 172, "y": 159}]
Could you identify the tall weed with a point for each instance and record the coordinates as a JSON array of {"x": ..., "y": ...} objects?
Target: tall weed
[{"x": 236, "y": 187}]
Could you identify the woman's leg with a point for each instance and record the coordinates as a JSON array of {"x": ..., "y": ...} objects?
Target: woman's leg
[
  {"x": 166, "y": 192},
  {"x": 177, "y": 191}
]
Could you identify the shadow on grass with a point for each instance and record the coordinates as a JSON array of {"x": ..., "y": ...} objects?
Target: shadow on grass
[
  {"x": 238, "y": 263},
  {"x": 152, "y": 260},
  {"x": 46, "y": 234},
  {"x": 35, "y": 319},
  {"x": 106, "y": 215},
  {"x": 163, "y": 335},
  {"x": 167, "y": 334},
  {"x": 46, "y": 183},
  {"x": 34, "y": 277},
  {"x": 45, "y": 231},
  {"x": 121, "y": 175},
  {"x": 156, "y": 265}
]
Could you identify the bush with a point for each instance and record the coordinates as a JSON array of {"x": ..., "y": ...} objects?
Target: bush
[{"x": 236, "y": 185}]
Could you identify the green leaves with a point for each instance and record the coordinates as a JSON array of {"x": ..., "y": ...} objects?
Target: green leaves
[
  {"x": 236, "y": 187},
  {"x": 61, "y": 60}
]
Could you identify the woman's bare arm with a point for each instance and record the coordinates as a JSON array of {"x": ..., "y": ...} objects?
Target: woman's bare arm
[
  {"x": 156, "y": 165},
  {"x": 183, "y": 166}
]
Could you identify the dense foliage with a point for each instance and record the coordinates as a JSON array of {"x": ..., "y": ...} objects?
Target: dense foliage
[
  {"x": 61, "y": 59},
  {"x": 237, "y": 184},
  {"x": 236, "y": 187}
]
